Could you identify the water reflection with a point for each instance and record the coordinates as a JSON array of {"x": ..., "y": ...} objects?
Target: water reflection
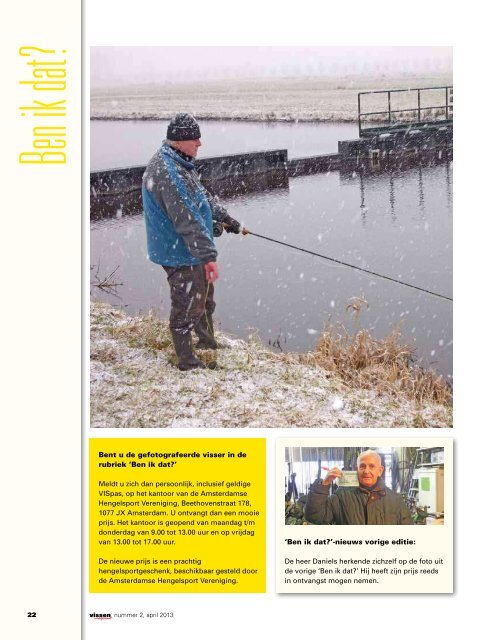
[{"x": 395, "y": 173}]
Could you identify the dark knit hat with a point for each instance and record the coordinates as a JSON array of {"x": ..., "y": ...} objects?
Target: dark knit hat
[{"x": 183, "y": 127}]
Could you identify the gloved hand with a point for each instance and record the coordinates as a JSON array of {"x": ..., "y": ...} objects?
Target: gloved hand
[
  {"x": 217, "y": 229},
  {"x": 232, "y": 225},
  {"x": 211, "y": 271}
]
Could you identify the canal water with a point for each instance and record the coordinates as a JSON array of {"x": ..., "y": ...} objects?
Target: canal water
[
  {"x": 125, "y": 143},
  {"x": 396, "y": 222}
]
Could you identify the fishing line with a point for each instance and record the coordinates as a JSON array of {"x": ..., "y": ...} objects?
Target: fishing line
[{"x": 346, "y": 264}]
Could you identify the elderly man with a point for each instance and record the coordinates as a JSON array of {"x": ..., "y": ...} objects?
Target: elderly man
[
  {"x": 369, "y": 503},
  {"x": 180, "y": 216}
]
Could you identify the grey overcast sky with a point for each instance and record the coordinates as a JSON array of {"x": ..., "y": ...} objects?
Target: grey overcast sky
[{"x": 117, "y": 66}]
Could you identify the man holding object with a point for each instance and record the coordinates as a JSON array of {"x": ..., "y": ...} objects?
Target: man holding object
[
  {"x": 180, "y": 217},
  {"x": 369, "y": 503}
]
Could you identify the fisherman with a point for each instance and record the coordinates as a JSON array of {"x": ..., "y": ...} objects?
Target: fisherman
[
  {"x": 180, "y": 217},
  {"x": 369, "y": 503}
]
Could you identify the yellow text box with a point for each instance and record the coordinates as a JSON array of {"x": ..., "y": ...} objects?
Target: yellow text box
[{"x": 177, "y": 515}]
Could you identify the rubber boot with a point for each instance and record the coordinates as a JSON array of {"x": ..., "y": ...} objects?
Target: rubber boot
[
  {"x": 183, "y": 348},
  {"x": 204, "y": 331}
]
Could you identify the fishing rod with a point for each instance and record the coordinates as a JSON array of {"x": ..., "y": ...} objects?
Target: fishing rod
[{"x": 246, "y": 232}]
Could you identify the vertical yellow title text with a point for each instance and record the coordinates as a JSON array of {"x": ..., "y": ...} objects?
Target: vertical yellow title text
[{"x": 45, "y": 79}]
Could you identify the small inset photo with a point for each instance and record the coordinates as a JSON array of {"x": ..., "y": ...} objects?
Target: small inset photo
[
  {"x": 364, "y": 485},
  {"x": 401, "y": 487}
]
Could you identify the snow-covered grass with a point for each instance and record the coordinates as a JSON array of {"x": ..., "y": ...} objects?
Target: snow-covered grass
[
  {"x": 262, "y": 99},
  {"x": 134, "y": 383}
]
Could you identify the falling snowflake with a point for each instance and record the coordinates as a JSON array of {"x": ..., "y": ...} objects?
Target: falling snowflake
[{"x": 337, "y": 404}]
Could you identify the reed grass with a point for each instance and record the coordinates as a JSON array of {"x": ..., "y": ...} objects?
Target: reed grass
[{"x": 386, "y": 365}]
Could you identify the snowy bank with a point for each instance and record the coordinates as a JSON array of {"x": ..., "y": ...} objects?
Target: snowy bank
[
  {"x": 134, "y": 384},
  {"x": 302, "y": 99}
]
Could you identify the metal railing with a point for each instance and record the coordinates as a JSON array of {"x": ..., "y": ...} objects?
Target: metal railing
[{"x": 387, "y": 119}]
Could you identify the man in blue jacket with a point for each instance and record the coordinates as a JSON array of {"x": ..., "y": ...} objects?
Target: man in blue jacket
[{"x": 179, "y": 216}]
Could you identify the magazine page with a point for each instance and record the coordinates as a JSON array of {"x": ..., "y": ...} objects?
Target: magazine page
[
  {"x": 271, "y": 260},
  {"x": 250, "y": 420}
]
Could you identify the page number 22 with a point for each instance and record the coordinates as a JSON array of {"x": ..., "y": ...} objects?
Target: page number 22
[{"x": 32, "y": 614}]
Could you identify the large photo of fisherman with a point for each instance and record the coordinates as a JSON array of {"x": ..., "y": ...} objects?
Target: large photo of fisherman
[{"x": 271, "y": 237}]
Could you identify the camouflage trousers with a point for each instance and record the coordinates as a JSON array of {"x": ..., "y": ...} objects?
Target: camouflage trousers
[{"x": 191, "y": 298}]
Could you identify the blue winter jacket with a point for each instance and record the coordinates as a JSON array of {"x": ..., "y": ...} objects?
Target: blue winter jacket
[{"x": 178, "y": 211}]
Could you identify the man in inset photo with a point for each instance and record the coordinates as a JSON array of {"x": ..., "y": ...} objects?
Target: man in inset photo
[{"x": 371, "y": 502}]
